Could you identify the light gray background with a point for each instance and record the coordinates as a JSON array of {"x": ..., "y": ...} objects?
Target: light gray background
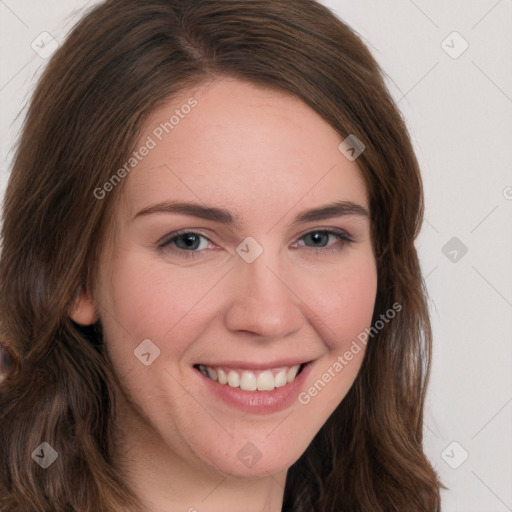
[{"x": 459, "y": 112}]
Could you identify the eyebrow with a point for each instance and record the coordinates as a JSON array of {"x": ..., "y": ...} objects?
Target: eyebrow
[{"x": 328, "y": 211}]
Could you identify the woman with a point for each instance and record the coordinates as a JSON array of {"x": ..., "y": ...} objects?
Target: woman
[{"x": 208, "y": 273}]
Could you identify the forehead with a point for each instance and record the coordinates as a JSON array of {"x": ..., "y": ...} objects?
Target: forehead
[{"x": 234, "y": 143}]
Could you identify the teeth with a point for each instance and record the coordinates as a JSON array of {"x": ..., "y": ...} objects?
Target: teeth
[
  {"x": 221, "y": 376},
  {"x": 212, "y": 373},
  {"x": 265, "y": 381},
  {"x": 292, "y": 373},
  {"x": 233, "y": 379},
  {"x": 280, "y": 379},
  {"x": 247, "y": 380}
]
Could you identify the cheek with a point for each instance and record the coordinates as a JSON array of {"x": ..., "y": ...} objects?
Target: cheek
[
  {"x": 345, "y": 310},
  {"x": 344, "y": 304},
  {"x": 150, "y": 300},
  {"x": 167, "y": 305}
]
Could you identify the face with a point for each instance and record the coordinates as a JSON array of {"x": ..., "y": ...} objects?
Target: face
[{"x": 269, "y": 285}]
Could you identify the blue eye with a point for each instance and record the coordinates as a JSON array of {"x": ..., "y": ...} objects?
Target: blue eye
[
  {"x": 319, "y": 235},
  {"x": 188, "y": 241},
  {"x": 190, "y": 244}
]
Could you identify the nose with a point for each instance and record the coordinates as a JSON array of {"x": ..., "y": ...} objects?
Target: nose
[{"x": 263, "y": 301}]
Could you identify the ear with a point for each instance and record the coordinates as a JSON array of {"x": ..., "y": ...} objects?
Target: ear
[{"x": 83, "y": 310}]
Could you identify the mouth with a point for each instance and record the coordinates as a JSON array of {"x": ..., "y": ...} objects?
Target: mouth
[{"x": 252, "y": 380}]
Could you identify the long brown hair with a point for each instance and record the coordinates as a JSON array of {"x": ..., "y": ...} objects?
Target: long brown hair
[{"x": 119, "y": 63}]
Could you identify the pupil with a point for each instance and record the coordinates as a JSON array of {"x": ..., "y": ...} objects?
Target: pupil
[
  {"x": 316, "y": 236},
  {"x": 190, "y": 240}
]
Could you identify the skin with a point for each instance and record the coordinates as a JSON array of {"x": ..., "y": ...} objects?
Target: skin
[{"x": 266, "y": 156}]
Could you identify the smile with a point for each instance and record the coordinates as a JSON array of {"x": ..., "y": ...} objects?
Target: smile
[{"x": 252, "y": 380}]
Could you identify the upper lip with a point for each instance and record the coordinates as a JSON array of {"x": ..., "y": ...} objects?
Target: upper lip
[{"x": 252, "y": 365}]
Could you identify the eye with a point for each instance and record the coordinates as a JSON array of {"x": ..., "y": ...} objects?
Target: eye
[
  {"x": 187, "y": 243},
  {"x": 190, "y": 244},
  {"x": 320, "y": 240}
]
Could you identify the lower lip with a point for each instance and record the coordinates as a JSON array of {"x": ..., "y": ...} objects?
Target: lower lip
[{"x": 258, "y": 402}]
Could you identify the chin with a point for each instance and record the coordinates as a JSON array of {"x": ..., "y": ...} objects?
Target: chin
[{"x": 254, "y": 460}]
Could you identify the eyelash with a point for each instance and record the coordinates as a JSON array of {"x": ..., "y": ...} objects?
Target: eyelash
[{"x": 342, "y": 236}]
